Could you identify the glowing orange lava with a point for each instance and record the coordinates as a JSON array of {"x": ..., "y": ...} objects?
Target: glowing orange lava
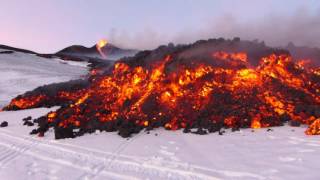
[
  {"x": 102, "y": 43},
  {"x": 202, "y": 95}
]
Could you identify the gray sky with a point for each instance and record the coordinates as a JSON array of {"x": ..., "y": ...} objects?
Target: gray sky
[{"x": 49, "y": 25}]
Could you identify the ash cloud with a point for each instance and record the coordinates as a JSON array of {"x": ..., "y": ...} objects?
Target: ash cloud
[{"x": 302, "y": 28}]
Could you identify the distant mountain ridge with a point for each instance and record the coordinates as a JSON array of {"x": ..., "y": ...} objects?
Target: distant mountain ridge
[
  {"x": 81, "y": 53},
  {"x": 16, "y": 49},
  {"x": 111, "y": 51}
]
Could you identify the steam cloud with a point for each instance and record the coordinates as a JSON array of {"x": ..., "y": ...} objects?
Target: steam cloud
[{"x": 302, "y": 28}]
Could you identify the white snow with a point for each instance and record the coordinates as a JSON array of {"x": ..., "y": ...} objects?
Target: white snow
[
  {"x": 284, "y": 153},
  {"x": 21, "y": 72}
]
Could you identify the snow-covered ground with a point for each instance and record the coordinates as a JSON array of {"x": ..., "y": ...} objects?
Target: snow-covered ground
[
  {"x": 284, "y": 153},
  {"x": 21, "y": 72}
]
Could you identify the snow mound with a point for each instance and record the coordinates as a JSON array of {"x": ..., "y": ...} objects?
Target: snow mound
[
  {"x": 21, "y": 72},
  {"x": 283, "y": 153}
]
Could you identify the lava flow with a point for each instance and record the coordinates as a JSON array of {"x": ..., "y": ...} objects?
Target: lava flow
[
  {"x": 102, "y": 43},
  {"x": 197, "y": 97}
]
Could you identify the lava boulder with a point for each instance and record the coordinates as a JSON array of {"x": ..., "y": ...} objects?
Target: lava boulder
[{"x": 4, "y": 124}]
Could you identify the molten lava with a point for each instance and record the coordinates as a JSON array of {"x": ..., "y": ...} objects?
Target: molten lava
[
  {"x": 314, "y": 128},
  {"x": 201, "y": 96},
  {"x": 102, "y": 43},
  {"x": 240, "y": 56}
]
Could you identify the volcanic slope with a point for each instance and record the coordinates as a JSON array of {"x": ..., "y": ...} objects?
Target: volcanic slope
[{"x": 201, "y": 88}]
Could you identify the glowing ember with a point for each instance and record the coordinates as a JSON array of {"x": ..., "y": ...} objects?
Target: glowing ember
[
  {"x": 25, "y": 103},
  {"x": 255, "y": 123},
  {"x": 240, "y": 56},
  {"x": 102, "y": 43},
  {"x": 314, "y": 128}
]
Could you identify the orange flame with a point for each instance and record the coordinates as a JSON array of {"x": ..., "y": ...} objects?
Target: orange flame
[
  {"x": 240, "y": 56},
  {"x": 101, "y": 43},
  {"x": 314, "y": 128},
  {"x": 255, "y": 123}
]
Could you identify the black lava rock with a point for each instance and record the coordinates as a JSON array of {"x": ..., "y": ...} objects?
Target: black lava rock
[
  {"x": 4, "y": 124},
  {"x": 27, "y": 118},
  {"x": 200, "y": 131},
  {"x": 34, "y": 131},
  {"x": 186, "y": 130},
  {"x": 61, "y": 133},
  {"x": 30, "y": 123},
  {"x": 294, "y": 123},
  {"x": 269, "y": 129}
]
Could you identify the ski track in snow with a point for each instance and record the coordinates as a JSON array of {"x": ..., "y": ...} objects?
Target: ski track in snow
[
  {"x": 90, "y": 163},
  {"x": 281, "y": 154}
]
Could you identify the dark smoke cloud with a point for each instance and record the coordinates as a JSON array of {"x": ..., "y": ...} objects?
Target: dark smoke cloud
[{"x": 302, "y": 28}]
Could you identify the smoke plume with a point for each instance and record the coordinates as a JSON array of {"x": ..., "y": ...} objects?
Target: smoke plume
[{"x": 302, "y": 28}]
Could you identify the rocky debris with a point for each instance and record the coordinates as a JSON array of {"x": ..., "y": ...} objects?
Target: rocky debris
[
  {"x": 28, "y": 121},
  {"x": 29, "y": 118},
  {"x": 294, "y": 123},
  {"x": 4, "y": 124}
]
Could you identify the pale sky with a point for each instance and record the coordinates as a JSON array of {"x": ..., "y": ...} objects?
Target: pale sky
[{"x": 50, "y": 25}]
